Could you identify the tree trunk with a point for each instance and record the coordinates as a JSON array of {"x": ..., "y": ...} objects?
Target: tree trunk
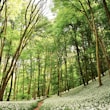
[
  {"x": 8, "y": 99},
  {"x": 97, "y": 44},
  {"x": 106, "y": 10},
  {"x": 84, "y": 61},
  {"x": 44, "y": 77},
  {"x": 1, "y": 48},
  {"x": 102, "y": 45},
  {"x": 98, "y": 62},
  {"x": 15, "y": 89},
  {"x": 65, "y": 62},
  {"x": 49, "y": 78},
  {"x": 2, "y": 90},
  {"x": 23, "y": 67},
  {"x": 58, "y": 72},
  {"x": 78, "y": 59},
  {"x": 30, "y": 81},
  {"x": 39, "y": 71},
  {"x": 92, "y": 72}
]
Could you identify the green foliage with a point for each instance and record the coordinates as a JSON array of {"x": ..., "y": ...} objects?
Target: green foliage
[
  {"x": 22, "y": 96},
  {"x": 65, "y": 17},
  {"x": 33, "y": 106}
]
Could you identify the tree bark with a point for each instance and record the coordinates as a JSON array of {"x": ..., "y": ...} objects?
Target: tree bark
[
  {"x": 78, "y": 59},
  {"x": 39, "y": 71},
  {"x": 8, "y": 99},
  {"x": 30, "y": 79},
  {"x": 15, "y": 84},
  {"x": 97, "y": 44},
  {"x": 65, "y": 62},
  {"x": 106, "y": 10}
]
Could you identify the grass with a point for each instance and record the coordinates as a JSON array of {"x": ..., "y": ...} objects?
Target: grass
[
  {"x": 18, "y": 105},
  {"x": 90, "y": 97}
]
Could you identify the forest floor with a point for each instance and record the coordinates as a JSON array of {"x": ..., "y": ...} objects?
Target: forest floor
[
  {"x": 18, "y": 105},
  {"x": 39, "y": 105},
  {"x": 91, "y": 97}
]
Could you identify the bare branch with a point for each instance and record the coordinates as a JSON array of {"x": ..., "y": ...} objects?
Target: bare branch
[
  {"x": 26, "y": 12},
  {"x": 2, "y": 5}
]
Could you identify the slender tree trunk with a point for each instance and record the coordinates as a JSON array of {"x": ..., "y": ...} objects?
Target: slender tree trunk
[
  {"x": 15, "y": 88},
  {"x": 85, "y": 70},
  {"x": 48, "y": 88},
  {"x": 34, "y": 89},
  {"x": 1, "y": 48},
  {"x": 30, "y": 81},
  {"x": 8, "y": 99},
  {"x": 39, "y": 71},
  {"x": 92, "y": 72},
  {"x": 106, "y": 10},
  {"x": 65, "y": 62},
  {"x": 98, "y": 62},
  {"x": 84, "y": 61},
  {"x": 44, "y": 77},
  {"x": 4, "y": 29},
  {"x": 17, "y": 84},
  {"x": 34, "y": 93},
  {"x": 102, "y": 45},
  {"x": 49, "y": 78},
  {"x": 78, "y": 54},
  {"x": 2, "y": 89},
  {"x": 78, "y": 59},
  {"x": 97, "y": 44},
  {"x": 48, "y": 84},
  {"x": 61, "y": 78},
  {"x": 89, "y": 39},
  {"x": 23, "y": 75},
  {"x": 58, "y": 72}
]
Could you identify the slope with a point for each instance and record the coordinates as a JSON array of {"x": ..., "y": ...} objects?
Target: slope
[{"x": 90, "y": 97}]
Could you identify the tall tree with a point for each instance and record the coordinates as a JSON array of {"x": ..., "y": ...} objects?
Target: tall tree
[
  {"x": 29, "y": 24},
  {"x": 106, "y": 10}
]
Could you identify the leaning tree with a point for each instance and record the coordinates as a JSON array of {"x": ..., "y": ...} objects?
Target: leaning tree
[{"x": 31, "y": 16}]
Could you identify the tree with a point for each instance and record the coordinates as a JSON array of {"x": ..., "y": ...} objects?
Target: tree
[
  {"x": 88, "y": 10},
  {"x": 106, "y": 10},
  {"x": 93, "y": 27},
  {"x": 29, "y": 24}
]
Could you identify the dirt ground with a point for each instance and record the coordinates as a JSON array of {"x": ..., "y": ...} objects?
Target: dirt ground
[{"x": 39, "y": 105}]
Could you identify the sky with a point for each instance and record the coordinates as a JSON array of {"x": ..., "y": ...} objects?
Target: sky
[
  {"x": 47, "y": 8},
  {"x": 49, "y": 14}
]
